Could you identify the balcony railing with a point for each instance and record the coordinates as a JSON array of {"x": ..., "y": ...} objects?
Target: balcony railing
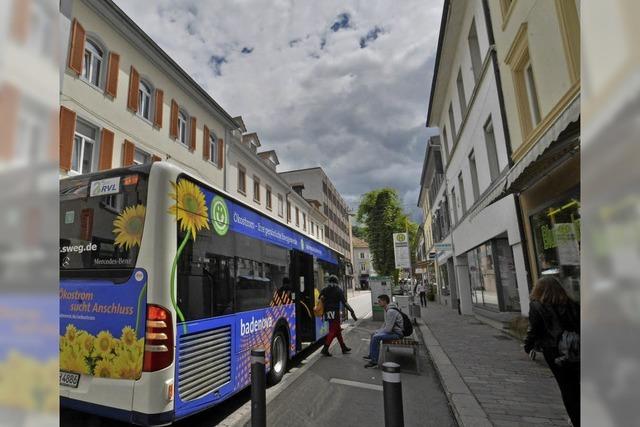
[{"x": 436, "y": 183}]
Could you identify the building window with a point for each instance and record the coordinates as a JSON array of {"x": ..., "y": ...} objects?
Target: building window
[
  {"x": 455, "y": 205},
  {"x": 474, "y": 50},
  {"x": 280, "y": 205},
  {"x": 268, "y": 198},
  {"x": 84, "y": 148},
  {"x": 463, "y": 197},
  {"x": 182, "y": 128},
  {"x": 361, "y": 255},
  {"x": 242, "y": 180},
  {"x": 492, "y": 152},
  {"x": 532, "y": 95},
  {"x": 461, "y": 96},
  {"x": 92, "y": 66},
  {"x": 288, "y": 211},
  {"x": 144, "y": 100},
  {"x": 297, "y": 217},
  {"x": 304, "y": 221},
  {"x": 140, "y": 157},
  {"x": 213, "y": 148},
  {"x": 473, "y": 169},
  {"x": 570, "y": 28},
  {"x": 506, "y": 6},
  {"x": 446, "y": 143},
  {"x": 256, "y": 189},
  {"x": 452, "y": 124}
]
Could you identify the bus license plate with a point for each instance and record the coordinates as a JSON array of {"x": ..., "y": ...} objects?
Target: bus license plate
[{"x": 69, "y": 379}]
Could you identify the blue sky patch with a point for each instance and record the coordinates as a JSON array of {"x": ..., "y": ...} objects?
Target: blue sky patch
[
  {"x": 216, "y": 63},
  {"x": 371, "y": 36},
  {"x": 247, "y": 50},
  {"x": 342, "y": 21}
]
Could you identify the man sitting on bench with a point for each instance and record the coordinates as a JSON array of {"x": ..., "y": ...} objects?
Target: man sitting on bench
[{"x": 391, "y": 330}]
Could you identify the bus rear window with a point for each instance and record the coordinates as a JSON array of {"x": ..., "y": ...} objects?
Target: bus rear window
[{"x": 101, "y": 223}]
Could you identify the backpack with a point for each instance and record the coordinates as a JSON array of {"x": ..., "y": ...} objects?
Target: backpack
[{"x": 407, "y": 326}]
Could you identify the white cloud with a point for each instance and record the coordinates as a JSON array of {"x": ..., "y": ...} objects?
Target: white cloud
[{"x": 357, "y": 112}]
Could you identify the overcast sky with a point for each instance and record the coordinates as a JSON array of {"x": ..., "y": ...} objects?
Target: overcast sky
[{"x": 337, "y": 84}]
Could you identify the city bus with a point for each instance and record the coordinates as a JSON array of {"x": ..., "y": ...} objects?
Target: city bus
[{"x": 167, "y": 283}]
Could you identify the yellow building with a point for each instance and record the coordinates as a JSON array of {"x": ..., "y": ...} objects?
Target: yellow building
[{"x": 538, "y": 51}]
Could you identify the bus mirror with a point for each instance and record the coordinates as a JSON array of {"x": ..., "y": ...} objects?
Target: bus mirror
[{"x": 301, "y": 284}]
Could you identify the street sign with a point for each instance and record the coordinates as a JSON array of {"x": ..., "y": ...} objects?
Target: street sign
[
  {"x": 442, "y": 246},
  {"x": 401, "y": 250}
]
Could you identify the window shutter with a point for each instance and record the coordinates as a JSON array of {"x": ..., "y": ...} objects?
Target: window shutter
[
  {"x": 106, "y": 150},
  {"x": 9, "y": 98},
  {"x": 128, "y": 151},
  {"x": 192, "y": 139},
  {"x": 173, "y": 122},
  {"x": 155, "y": 158},
  {"x": 157, "y": 117},
  {"x": 76, "y": 51},
  {"x": 134, "y": 86},
  {"x": 206, "y": 146},
  {"x": 220, "y": 153},
  {"x": 20, "y": 23},
  {"x": 112, "y": 74},
  {"x": 67, "y": 131},
  {"x": 54, "y": 123}
]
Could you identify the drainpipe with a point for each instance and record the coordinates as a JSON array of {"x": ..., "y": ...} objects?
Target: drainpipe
[{"x": 507, "y": 137}]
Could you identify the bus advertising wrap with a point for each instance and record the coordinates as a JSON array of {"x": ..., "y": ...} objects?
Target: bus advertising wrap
[
  {"x": 102, "y": 327},
  {"x": 227, "y": 215}
]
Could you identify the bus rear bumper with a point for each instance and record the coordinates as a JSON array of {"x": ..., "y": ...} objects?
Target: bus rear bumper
[{"x": 133, "y": 417}]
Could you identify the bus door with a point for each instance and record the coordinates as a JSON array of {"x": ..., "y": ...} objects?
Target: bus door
[{"x": 302, "y": 283}]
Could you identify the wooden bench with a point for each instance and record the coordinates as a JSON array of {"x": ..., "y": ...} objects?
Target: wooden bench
[{"x": 407, "y": 342}]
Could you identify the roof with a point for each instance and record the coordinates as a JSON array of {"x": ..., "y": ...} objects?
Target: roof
[
  {"x": 268, "y": 155},
  {"x": 130, "y": 29},
  {"x": 240, "y": 123},
  {"x": 443, "y": 27},
  {"x": 247, "y": 136},
  {"x": 359, "y": 243}
]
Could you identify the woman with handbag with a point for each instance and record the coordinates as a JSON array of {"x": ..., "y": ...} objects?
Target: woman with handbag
[
  {"x": 331, "y": 298},
  {"x": 554, "y": 320}
]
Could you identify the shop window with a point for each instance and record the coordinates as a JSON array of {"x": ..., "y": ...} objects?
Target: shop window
[{"x": 556, "y": 236}]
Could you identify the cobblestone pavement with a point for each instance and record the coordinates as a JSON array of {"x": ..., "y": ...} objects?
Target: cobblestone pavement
[{"x": 510, "y": 388}]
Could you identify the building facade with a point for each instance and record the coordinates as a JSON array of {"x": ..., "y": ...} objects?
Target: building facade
[
  {"x": 538, "y": 49},
  {"x": 125, "y": 101},
  {"x": 480, "y": 254},
  {"x": 362, "y": 262},
  {"x": 314, "y": 184},
  {"x": 252, "y": 176}
]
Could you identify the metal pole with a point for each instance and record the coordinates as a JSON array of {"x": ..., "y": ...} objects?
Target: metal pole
[
  {"x": 392, "y": 393},
  {"x": 258, "y": 389}
]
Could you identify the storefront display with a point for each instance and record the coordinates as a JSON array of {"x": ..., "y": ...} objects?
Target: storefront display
[{"x": 556, "y": 235}]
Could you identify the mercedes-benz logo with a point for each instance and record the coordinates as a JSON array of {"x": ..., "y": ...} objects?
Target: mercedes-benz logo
[{"x": 66, "y": 261}]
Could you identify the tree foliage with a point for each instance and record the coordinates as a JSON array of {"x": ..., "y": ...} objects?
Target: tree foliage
[{"x": 381, "y": 213}]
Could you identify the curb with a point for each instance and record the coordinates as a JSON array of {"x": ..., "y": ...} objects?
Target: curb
[
  {"x": 242, "y": 416},
  {"x": 466, "y": 408}
]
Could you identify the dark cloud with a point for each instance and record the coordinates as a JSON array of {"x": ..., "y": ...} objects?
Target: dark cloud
[
  {"x": 342, "y": 21},
  {"x": 247, "y": 50},
  {"x": 371, "y": 36}
]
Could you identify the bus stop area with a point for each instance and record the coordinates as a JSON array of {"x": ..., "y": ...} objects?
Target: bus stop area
[{"x": 338, "y": 390}]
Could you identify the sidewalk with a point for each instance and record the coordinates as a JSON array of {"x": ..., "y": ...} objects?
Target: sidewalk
[
  {"x": 486, "y": 374},
  {"x": 338, "y": 390}
]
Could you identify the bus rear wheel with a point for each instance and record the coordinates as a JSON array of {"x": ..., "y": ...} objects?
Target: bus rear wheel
[{"x": 279, "y": 357}]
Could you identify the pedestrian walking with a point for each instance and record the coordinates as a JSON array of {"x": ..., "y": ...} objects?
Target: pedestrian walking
[
  {"x": 423, "y": 295},
  {"x": 332, "y": 296},
  {"x": 554, "y": 328},
  {"x": 392, "y": 329}
]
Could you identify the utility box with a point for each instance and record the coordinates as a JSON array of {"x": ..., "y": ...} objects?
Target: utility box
[{"x": 379, "y": 285}]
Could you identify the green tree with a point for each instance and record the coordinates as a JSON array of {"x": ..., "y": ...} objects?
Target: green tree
[{"x": 381, "y": 213}]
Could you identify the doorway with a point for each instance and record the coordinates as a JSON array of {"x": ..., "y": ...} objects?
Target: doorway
[{"x": 301, "y": 272}]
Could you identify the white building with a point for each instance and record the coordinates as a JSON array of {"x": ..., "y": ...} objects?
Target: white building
[
  {"x": 480, "y": 250},
  {"x": 252, "y": 176},
  {"x": 125, "y": 101},
  {"x": 362, "y": 261}
]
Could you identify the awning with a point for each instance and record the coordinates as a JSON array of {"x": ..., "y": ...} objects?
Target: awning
[{"x": 557, "y": 144}]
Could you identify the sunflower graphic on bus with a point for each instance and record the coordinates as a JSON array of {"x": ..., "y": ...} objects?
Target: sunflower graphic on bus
[
  {"x": 191, "y": 213},
  {"x": 128, "y": 226}
]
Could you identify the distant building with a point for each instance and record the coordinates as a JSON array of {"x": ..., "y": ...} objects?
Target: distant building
[{"x": 362, "y": 262}]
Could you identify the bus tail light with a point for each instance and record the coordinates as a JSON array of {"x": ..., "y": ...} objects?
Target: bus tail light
[{"x": 158, "y": 345}]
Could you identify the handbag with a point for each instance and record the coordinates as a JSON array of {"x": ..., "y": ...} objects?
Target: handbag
[{"x": 318, "y": 310}]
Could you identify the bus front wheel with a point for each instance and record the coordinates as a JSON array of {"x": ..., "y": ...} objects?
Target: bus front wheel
[{"x": 279, "y": 357}]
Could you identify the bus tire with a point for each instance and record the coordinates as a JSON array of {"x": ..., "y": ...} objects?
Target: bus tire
[{"x": 279, "y": 357}]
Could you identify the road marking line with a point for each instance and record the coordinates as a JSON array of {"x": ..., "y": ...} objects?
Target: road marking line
[{"x": 356, "y": 384}]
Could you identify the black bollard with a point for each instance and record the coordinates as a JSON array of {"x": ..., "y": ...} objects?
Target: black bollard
[
  {"x": 258, "y": 389},
  {"x": 392, "y": 393}
]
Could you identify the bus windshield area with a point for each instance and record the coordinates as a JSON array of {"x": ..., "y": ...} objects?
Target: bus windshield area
[{"x": 101, "y": 224}]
